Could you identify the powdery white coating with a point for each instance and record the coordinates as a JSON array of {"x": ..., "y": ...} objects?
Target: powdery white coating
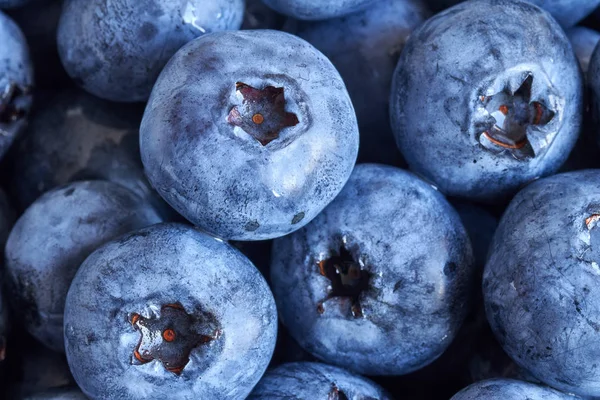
[
  {"x": 541, "y": 281},
  {"x": 16, "y": 76},
  {"x": 58, "y": 394},
  {"x": 220, "y": 177},
  {"x": 311, "y": 380},
  {"x": 115, "y": 49},
  {"x": 418, "y": 291},
  {"x": 317, "y": 9},
  {"x": 145, "y": 270},
  {"x": 476, "y": 49},
  {"x": 365, "y": 48},
  {"x": 584, "y": 41},
  {"x": 53, "y": 237},
  {"x": 503, "y": 389},
  {"x": 79, "y": 137}
]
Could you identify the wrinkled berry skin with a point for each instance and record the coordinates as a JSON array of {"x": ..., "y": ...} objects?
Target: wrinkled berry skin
[
  {"x": 59, "y": 394},
  {"x": 452, "y": 68},
  {"x": 317, "y": 9},
  {"x": 79, "y": 137},
  {"x": 540, "y": 281},
  {"x": 224, "y": 179},
  {"x": 584, "y": 41},
  {"x": 143, "y": 271},
  {"x": 311, "y": 380},
  {"x": 365, "y": 47},
  {"x": 16, "y": 82},
  {"x": 116, "y": 49},
  {"x": 502, "y": 389},
  {"x": 53, "y": 237},
  {"x": 417, "y": 293}
]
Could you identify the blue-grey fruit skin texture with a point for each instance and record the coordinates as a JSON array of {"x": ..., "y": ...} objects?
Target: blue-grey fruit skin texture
[
  {"x": 116, "y": 49},
  {"x": 317, "y": 9},
  {"x": 486, "y": 97},
  {"x": 16, "y": 82},
  {"x": 311, "y": 380},
  {"x": 365, "y": 48},
  {"x": 58, "y": 394},
  {"x": 540, "y": 281},
  {"x": 504, "y": 389},
  {"x": 53, "y": 237},
  {"x": 140, "y": 276},
  {"x": 416, "y": 295},
  {"x": 584, "y": 41},
  {"x": 230, "y": 175},
  {"x": 76, "y": 136}
]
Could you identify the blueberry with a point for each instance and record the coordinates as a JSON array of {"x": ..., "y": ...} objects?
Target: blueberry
[
  {"x": 486, "y": 97},
  {"x": 58, "y": 394},
  {"x": 540, "y": 281},
  {"x": 502, "y": 389},
  {"x": 317, "y": 9},
  {"x": 79, "y": 137},
  {"x": 584, "y": 41},
  {"x": 116, "y": 49},
  {"x": 249, "y": 140},
  {"x": 361, "y": 287},
  {"x": 311, "y": 380},
  {"x": 16, "y": 82},
  {"x": 169, "y": 312},
  {"x": 53, "y": 237},
  {"x": 365, "y": 47}
]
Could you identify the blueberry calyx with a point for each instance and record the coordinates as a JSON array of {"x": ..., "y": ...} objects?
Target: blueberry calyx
[
  {"x": 11, "y": 108},
  {"x": 348, "y": 280},
  {"x": 262, "y": 113},
  {"x": 170, "y": 337},
  {"x": 336, "y": 394}
]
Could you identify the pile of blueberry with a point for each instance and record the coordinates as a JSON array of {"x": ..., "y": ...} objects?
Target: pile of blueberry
[{"x": 182, "y": 214}]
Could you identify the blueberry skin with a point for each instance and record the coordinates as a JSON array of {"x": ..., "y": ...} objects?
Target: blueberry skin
[
  {"x": 79, "y": 137},
  {"x": 219, "y": 176},
  {"x": 460, "y": 58},
  {"x": 59, "y": 394},
  {"x": 312, "y": 10},
  {"x": 16, "y": 82},
  {"x": 145, "y": 270},
  {"x": 365, "y": 48},
  {"x": 539, "y": 282},
  {"x": 116, "y": 49},
  {"x": 584, "y": 41},
  {"x": 416, "y": 298},
  {"x": 502, "y": 389},
  {"x": 311, "y": 380},
  {"x": 41, "y": 263}
]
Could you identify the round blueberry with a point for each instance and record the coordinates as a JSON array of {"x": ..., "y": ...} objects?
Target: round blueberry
[
  {"x": 310, "y": 380},
  {"x": 53, "y": 237},
  {"x": 116, "y": 49},
  {"x": 540, "y": 281},
  {"x": 503, "y": 389},
  {"x": 249, "y": 140},
  {"x": 361, "y": 288},
  {"x": 169, "y": 312},
  {"x": 486, "y": 97},
  {"x": 16, "y": 82},
  {"x": 58, "y": 394},
  {"x": 365, "y": 47},
  {"x": 317, "y": 9},
  {"x": 584, "y": 41},
  {"x": 79, "y": 137}
]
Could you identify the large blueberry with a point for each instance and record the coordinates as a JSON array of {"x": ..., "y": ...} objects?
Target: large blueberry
[
  {"x": 504, "y": 389},
  {"x": 584, "y": 41},
  {"x": 169, "y": 312},
  {"x": 361, "y": 287},
  {"x": 16, "y": 82},
  {"x": 53, "y": 237},
  {"x": 76, "y": 136},
  {"x": 116, "y": 49},
  {"x": 540, "y": 281},
  {"x": 365, "y": 47},
  {"x": 317, "y": 9},
  {"x": 487, "y": 96},
  {"x": 247, "y": 139},
  {"x": 310, "y": 380}
]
